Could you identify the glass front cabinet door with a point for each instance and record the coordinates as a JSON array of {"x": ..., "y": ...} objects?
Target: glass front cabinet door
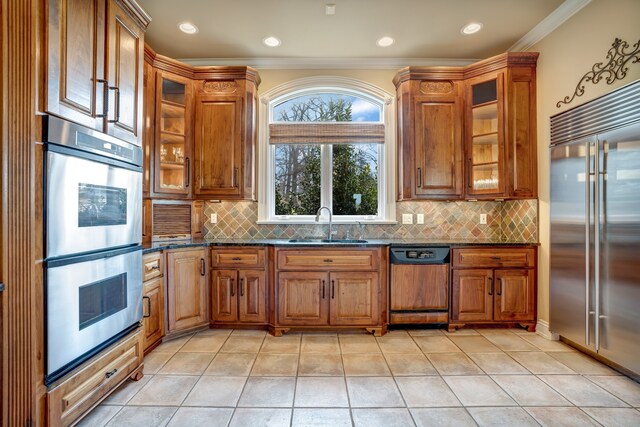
[
  {"x": 174, "y": 99},
  {"x": 485, "y": 137}
]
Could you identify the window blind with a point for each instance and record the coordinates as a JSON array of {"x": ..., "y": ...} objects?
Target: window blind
[{"x": 326, "y": 133}]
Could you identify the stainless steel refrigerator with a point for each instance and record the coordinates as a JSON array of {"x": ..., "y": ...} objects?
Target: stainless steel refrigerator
[{"x": 595, "y": 226}]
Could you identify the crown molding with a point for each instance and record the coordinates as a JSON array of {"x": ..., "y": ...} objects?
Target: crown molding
[
  {"x": 545, "y": 27},
  {"x": 328, "y": 63}
]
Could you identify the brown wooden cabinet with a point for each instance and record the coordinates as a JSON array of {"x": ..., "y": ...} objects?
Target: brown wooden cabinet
[
  {"x": 153, "y": 309},
  {"x": 238, "y": 286},
  {"x": 94, "y": 57},
  {"x": 71, "y": 398},
  {"x": 494, "y": 102},
  {"x": 225, "y": 138},
  {"x": 329, "y": 287},
  {"x": 500, "y": 128},
  {"x": 493, "y": 285},
  {"x": 187, "y": 296},
  {"x": 429, "y": 138}
]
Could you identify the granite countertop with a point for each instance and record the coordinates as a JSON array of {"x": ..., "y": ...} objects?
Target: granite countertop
[{"x": 187, "y": 243}]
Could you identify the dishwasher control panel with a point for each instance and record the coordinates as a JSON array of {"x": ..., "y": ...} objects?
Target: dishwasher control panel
[{"x": 419, "y": 255}]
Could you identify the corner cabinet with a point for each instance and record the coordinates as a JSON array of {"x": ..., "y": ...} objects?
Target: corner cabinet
[
  {"x": 94, "y": 56},
  {"x": 468, "y": 132},
  {"x": 187, "y": 296},
  {"x": 225, "y": 137},
  {"x": 493, "y": 285},
  {"x": 330, "y": 288}
]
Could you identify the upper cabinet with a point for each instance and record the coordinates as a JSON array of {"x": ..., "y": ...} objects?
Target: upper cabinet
[
  {"x": 430, "y": 139},
  {"x": 204, "y": 139},
  {"x": 225, "y": 136},
  {"x": 173, "y": 136},
  {"x": 468, "y": 132},
  {"x": 94, "y": 56}
]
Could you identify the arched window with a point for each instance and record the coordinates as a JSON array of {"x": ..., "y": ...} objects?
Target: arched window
[{"x": 326, "y": 142}]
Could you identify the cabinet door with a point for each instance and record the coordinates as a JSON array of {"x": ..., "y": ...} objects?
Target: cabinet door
[
  {"x": 303, "y": 298},
  {"x": 472, "y": 295},
  {"x": 355, "y": 299},
  {"x": 252, "y": 296},
  {"x": 173, "y": 135},
  {"x": 125, "y": 53},
  {"x": 186, "y": 286},
  {"x": 75, "y": 61},
  {"x": 521, "y": 140},
  {"x": 153, "y": 296},
  {"x": 485, "y": 136},
  {"x": 224, "y": 289},
  {"x": 218, "y": 146},
  {"x": 438, "y": 146},
  {"x": 514, "y": 295}
]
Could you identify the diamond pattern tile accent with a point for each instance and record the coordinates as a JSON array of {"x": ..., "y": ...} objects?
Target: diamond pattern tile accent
[{"x": 510, "y": 221}]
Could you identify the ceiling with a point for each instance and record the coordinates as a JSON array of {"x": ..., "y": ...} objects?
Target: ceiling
[{"x": 234, "y": 29}]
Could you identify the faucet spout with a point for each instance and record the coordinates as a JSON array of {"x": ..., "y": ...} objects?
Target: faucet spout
[{"x": 330, "y": 236}]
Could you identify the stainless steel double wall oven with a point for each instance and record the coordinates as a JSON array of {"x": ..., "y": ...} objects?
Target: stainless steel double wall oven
[{"x": 93, "y": 232}]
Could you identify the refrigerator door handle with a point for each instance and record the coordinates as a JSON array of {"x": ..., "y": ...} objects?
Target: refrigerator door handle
[
  {"x": 587, "y": 198},
  {"x": 596, "y": 222}
]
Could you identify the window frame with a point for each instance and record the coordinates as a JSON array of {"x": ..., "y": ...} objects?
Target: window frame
[{"x": 386, "y": 151}]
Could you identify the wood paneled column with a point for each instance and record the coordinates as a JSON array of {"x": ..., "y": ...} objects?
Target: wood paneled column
[{"x": 21, "y": 302}]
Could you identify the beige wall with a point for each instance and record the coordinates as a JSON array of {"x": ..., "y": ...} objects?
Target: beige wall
[
  {"x": 565, "y": 56},
  {"x": 381, "y": 78}
]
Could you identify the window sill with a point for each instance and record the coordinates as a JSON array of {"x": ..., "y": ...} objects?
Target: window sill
[{"x": 309, "y": 222}]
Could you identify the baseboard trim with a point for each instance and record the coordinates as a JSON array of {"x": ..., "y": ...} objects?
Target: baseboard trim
[{"x": 542, "y": 329}]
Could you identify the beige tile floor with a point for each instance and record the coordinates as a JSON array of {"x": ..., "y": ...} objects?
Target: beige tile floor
[{"x": 418, "y": 378}]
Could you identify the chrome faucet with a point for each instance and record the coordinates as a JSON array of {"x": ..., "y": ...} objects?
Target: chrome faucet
[{"x": 330, "y": 237}]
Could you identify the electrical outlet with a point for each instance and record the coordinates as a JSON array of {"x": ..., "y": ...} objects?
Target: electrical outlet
[
  {"x": 407, "y": 218},
  {"x": 483, "y": 219},
  {"x": 419, "y": 218},
  {"x": 214, "y": 218}
]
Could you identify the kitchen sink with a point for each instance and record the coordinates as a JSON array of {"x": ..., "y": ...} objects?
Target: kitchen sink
[{"x": 327, "y": 241}]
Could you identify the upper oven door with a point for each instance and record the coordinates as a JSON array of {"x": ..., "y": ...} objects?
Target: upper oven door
[{"x": 92, "y": 203}]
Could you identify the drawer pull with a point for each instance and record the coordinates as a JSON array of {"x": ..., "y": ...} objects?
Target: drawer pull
[
  {"x": 148, "y": 300},
  {"x": 328, "y": 260},
  {"x": 237, "y": 258},
  {"x": 155, "y": 267},
  {"x": 496, "y": 257},
  {"x": 111, "y": 373}
]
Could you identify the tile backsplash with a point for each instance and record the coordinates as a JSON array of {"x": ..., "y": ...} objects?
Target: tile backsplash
[{"x": 509, "y": 221}]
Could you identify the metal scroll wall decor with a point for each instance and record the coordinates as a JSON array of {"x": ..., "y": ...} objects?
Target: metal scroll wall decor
[{"x": 615, "y": 69}]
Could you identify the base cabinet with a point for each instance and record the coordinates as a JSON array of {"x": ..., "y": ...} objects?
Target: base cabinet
[
  {"x": 493, "y": 285},
  {"x": 187, "y": 302},
  {"x": 153, "y": 299},
  {"x": 333, "y": 293},
  {"x": 238, "y": 286},
  {"x": 72, "y": 397}
]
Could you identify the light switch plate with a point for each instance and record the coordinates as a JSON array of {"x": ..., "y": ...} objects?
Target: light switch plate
[
  {"x": 407, "y": 218},
  {"x": 214, "y": 218},
  {"x": 483, "y": 219},
  {"x": 419, "y": 218}
]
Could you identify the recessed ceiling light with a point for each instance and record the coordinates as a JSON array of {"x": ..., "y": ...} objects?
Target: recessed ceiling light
[
  {"x": 330, "y": 9},
  {"x": 472, "y": 28},
  {"x": 272, "y": 41},
  {"x": 188, "y": 27},
  {"x": 385, "y": 41}
]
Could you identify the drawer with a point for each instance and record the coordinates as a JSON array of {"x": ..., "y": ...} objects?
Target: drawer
[
  {"x": 328, "y": 259},
  {"x": 494, "y": 257},
  {"x": 152, "y": 266},
  {"x": 90, "y": 383},
  {"x": 237, "y": 257}
]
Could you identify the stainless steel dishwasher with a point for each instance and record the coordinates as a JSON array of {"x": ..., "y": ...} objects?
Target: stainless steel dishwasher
[{"x": 419, "y": 285}]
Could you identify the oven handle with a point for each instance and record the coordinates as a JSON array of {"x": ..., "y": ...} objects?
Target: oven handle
[{"x": 148, "y": 300}]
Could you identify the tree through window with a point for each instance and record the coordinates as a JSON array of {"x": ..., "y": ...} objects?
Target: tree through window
[{"x": 327, "y": 152}]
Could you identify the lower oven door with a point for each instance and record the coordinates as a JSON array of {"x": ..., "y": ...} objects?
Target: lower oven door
[
  {"x": 92, "y": 203},
  {"x": 89, "y": 301}
]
